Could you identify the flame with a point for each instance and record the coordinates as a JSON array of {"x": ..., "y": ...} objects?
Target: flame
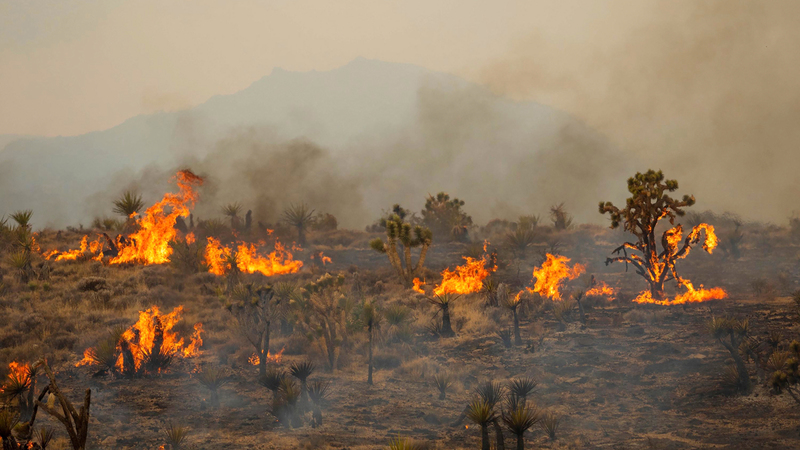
[
  {"x": 711, "y": 241},
  {"x": 552, "y": 274},
  {"x": 150, "y": 244},
  {"x": 278, "y": 262},
  {"x": 190, "y": 238},
  {"x": 18, "y": 373},
  {"x": 692, "y": 295},
  {"x": 322, "y": 258},
  {"x": 418, "y": 286},
  {"x": 142, "y": 337},
  {"x": 465, "y": 279},
  {"x": 276, "y": 358},
  {"x": 92, "y": 250},
  {"x": 601, "y": 290}
]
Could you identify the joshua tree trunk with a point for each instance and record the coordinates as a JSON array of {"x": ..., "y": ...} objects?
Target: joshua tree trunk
[
  {"x": 369, "y": 376},
  {"x": 498, "y": 431},
  {"x": 580, "y": 310},
  {"x": 485, "y": 437},
  {"x": 517, "y": 337},
  {"x": 263, "y": 351},
  {"x": 447, "y": 329},
  {"x": 301, "y": 236}
]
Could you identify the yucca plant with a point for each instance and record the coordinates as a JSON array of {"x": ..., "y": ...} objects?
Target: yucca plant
[
  {"x": 106, "y": 353},
  {"x": 128, "y": 204},
  {"x": 443, "y": 381},
  {"x": 522, "y": 387},
  {"x": 396, "y": 314},
  {"x": 505, "y": 337},
  {"x": 481, "y": 412},
  {"x": 300, "y": 217},
  {"x": 23, "y": 218},
  {"x": 213, "y": 378},
  {"x": 21, "y": 263},
  {"x": 8, "y": 420},
  {"x": 443, "y": 302},
  {"x": 302, "y": 371},
  {"x": 232, "y": 210},
  {"x": 285, "y": 406},
  {"x": 44, "y": 435},
  {"x": 519, "y": 240},
  {"x": 272, "y": 380},
  {"x": 491, "y": 392},
  {"x": 731, "y": 333},
  {"x": 372, "y": 319},
  {"x": 549, "y": 422},
  {"x": 512, "y": 303},
  {"x": 318, "y": 392},
  {"x": 518, "y": 419},
  {"x": 176, "y": 435}
]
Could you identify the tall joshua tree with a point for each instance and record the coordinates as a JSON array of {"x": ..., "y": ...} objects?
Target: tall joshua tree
[
  {"x": 398, "y": 231},
  {"x": 650, "y": 203},
  {"x": 300, "y": 217},
  {"x": 255, "y": 311}
]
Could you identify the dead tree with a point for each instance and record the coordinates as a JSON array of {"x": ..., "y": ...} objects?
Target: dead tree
[
  {"x": 649, "y": 204},
  {"x": 75, "y": 421}
]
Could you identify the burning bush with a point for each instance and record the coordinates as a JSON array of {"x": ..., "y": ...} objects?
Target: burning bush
[
  {"x": 149, "y": 346},
  {"x": 647, "y": 206}
]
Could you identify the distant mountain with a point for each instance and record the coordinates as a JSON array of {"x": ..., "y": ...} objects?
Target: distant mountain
[{"x": 391, "y": 132}]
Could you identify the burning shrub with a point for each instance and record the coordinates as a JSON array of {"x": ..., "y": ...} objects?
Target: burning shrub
[
  {"x": 149, "y": 346},
  {"x": 647, "y": 206},
  {"x": 446, "y": 218},
  {"x": 398, "y": 230}
]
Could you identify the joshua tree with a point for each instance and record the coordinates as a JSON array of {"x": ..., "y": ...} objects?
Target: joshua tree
[
  {"x": 255, "y": 310},
  {"x": 445, "y": 217},
  {"x": 232, "y": 210},
  {"x": 648, "y": 205},
  {"x": 300, "y": 217},
  {"x": 443, "y": 381},
  {"x": 76, "y": 421},
  {"x": 213, "y": 378},
  {"x": 329, "y": 310},
  {"x": 731, "y": 333},
  {"x": 481, "y": 412},
  {"x": 518, "y": 419},
  {"x": 302, "y": 371},
  {"x": 397, "y": 230},
  {"x": 128, "y": 204},
  {"x": 560, "y": 217}
]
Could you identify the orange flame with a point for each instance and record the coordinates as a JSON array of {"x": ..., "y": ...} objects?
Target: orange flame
[
  {"x": 278, "y": 262},
  {"x": 601, "y": 290},
  {"x": 141, "y": 338},
  {"x": 276, "y": 358},
  {"x": 553, "y": 273},
  {"x": 465, "y": 279},
  {"x": 92, "y": 250},
  {"x": 321, "y": 258},
  {"x": 418, "y": 286},
  {"x": 150, "y": 244},
  {"x": 190, "y": 238},
  {"x": 691, "y": 296},
  {"x": 18, "y": 373}
]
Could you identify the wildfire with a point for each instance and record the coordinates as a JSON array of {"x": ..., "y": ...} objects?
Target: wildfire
[
  {"x": 150, "y": 244},
  {"x": 692, "y": 295},
  {"x": 465, "y": 279},
  {"x": 278, "y": 262},
  {"x": 321, "y": 258},
  {"x": 601, "y": 290},
  {"x": 18, "y": 374},
  {"x": 276, "y": 358},
  {"x": 152, "y": 335},
  {"x": 92, "y": 250},
  {"x": 553, "y": 273}
]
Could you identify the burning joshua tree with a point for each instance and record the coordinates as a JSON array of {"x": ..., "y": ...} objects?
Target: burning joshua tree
[{"x": 647, "y": 206}]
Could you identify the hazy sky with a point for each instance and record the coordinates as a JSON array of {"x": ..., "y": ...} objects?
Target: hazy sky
[{"x": 69, "y": 67}]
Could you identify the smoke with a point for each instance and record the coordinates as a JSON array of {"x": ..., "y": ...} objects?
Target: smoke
[{"x": 705, "y": 91}]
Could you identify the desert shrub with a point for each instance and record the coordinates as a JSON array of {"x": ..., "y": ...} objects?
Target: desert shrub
[
  {"x": 561, "y": 219},
  {"x": 443, "y": 381},
  {"x": 175, "y": 435},
  {"x": 763, "y": 289},
  {"x": 550, "y": 422},
  {"x": 731, "y": 333},
  {"x": 255, "y": 310},
  {"x": 213, "y": 378},
  {"x": 324, "y": 222}
]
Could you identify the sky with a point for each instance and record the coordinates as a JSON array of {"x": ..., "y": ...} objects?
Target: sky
[{"x": 689, "y": 85}]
